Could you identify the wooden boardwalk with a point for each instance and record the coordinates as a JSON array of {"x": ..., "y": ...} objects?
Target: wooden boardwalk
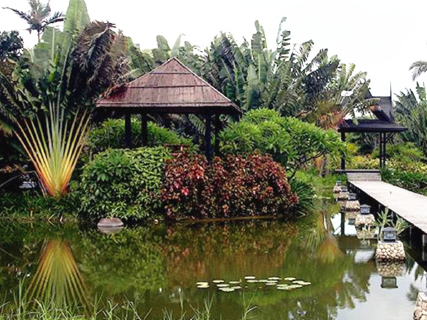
[{"x": 409, "y": 205}]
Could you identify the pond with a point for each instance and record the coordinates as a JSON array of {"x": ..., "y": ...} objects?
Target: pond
[{"x": 158, "y": 268}]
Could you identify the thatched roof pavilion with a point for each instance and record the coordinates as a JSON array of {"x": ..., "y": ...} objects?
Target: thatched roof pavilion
[{"x": 170, "y": 88}]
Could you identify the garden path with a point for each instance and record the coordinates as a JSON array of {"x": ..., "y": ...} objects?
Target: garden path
[{"x": 409, "y": 205}]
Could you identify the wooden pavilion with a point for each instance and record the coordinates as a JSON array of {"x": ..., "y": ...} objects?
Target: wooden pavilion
[
  {"x": 172, "y": 88},
  {"x": 384, "y": 125}
]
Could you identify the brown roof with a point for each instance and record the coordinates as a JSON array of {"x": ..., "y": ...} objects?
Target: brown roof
[{"x": 170, "y": 88}]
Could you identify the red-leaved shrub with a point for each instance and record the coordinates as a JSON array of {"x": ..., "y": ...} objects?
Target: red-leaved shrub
[{"x": 231, "y": 187}]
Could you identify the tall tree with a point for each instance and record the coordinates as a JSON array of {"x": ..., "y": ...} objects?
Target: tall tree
[
  {"x": 39, "y": 16},
  {"x": 60, "y": 81},
  {"x": 411, "y": 111}
]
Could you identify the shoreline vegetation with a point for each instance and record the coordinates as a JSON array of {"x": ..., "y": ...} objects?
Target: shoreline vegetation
[{"x": 37, "y": 310}]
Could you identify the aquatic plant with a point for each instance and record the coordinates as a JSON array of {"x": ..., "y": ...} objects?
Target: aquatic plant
[{"x": 384, "y": 220}]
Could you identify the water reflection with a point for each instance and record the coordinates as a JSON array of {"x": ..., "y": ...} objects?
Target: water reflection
[
  {"x": 158, "y": 266},
  {"x": 57, "y": 281}
]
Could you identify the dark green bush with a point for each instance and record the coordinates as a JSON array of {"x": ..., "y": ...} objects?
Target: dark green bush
[
  {"x": 405, "y": 152},
  {"x": 32, "y": 204},
  {"x": 111, "y": 134},
  {"x": 306, "y": 196},
  {"x": 290, "y": 141},
  {"x": 123, "y": 183}
]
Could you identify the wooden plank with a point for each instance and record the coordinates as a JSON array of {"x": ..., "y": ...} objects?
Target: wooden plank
[{"x": 409, "y": 205}]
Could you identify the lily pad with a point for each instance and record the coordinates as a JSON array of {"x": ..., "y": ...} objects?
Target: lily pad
[
  {"x": 203, "y": 286},
  {"x": 201, "y": 283},
  {"x": 226, "y": 289},
  {"x": 271, "y": 283},
  {"x": 236, "y": 287},
  {"x": 218, "y": 281},
  {"x": 252, "y": 281},
  {"x": 222, "y": 285},
  {"x": 234, "y": 282},
  {"x": 250, "y": 277},
  {"x": 274, "y": 279},
  {"x": 290, "y": 279}
]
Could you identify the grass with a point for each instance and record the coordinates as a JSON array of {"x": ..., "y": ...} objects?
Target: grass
[
  {"x": 20, "y": 309},
  {"x": 31, "y": 205}
]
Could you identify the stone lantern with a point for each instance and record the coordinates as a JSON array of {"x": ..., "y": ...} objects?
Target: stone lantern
[
  {"x": 343, "y": 195},
  {"x": 337, "y": 188},
  {"x": 365, "y": 209},
  {"x": 389, "y": 282},
  {"x": 389, "y": 248},
  {"x": 365, "y": 218},
  {"x": 352, "y": 204},
  {"x": 389, "y": 234}
]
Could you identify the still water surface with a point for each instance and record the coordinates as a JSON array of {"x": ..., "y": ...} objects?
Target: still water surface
[{"x": 158, "y": 267}]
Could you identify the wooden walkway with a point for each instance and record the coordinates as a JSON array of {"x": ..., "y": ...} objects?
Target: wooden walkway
[{"x": 409, "y": 205}]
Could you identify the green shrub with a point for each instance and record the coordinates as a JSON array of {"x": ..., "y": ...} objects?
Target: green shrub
[
  {"x": 306, "y": 196},
  {"x": 123, "y": 183},
  {"x": 235, "y": 186},
  {"x": 32, "y": 204},
  {"x": 111, "y": 134},
  {"x": 411, "y": 180},
  {"x": 402, "y": 152},
  {"x": 290, "y": 141}
]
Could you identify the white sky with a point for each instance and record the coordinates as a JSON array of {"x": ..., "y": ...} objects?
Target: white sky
[{"x": 382, "y": 37}]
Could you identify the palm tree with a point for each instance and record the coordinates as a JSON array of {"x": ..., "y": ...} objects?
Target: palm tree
[
  {"x": 418, "y": 68},
  {"x": 39, "y": 17},
  {"x": 84, "y": 60}
]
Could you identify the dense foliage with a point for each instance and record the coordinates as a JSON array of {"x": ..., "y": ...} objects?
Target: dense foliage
[
  {"x": 291, "y": 142},
  {"x": 411, "y": 112},
  {"x": 123, "y": 183},
  {"x": 111, "y": 134},
  {"x": 409, "y": 175},
  {"x": 33, "y": 205},
  {"x": 230, "y": 187}
]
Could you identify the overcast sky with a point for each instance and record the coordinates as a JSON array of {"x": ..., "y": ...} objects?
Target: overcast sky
[{"x": 382, "y": 37}]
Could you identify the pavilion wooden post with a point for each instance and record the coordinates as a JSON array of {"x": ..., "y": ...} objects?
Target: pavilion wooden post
[
  {"x": 343, "y": 157},
  {"x": 128, "y": 131},
  {"x": 384, "y": 148},
  {"x": 217, "y": 129},
  {"x": 144, "y": 129},
  {"x": 381, "y": 150},
  {"x": 208, "y": 131}
]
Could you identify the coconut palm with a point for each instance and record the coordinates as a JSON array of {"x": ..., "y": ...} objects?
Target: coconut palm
[{"x": 39, "y": 16}]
